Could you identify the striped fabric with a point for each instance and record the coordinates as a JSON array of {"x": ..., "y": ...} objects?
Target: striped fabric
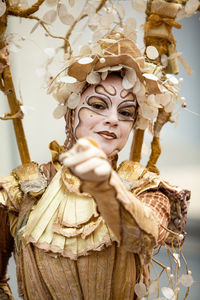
[{"x": 160, "y": 206}]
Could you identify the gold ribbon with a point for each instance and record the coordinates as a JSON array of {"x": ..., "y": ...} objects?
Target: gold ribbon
[{"x": 155, "y": 20}]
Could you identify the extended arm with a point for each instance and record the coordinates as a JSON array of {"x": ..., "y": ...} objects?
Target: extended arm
[{"x": 135, "y": 225}]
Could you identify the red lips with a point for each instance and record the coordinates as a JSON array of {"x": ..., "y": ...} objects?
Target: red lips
[{"x": 107, "y": 134}]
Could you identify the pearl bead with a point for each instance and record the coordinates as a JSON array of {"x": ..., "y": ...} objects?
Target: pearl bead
[
  {"x": 102, "y": 60},
  {"x": 181, "y": 236}
]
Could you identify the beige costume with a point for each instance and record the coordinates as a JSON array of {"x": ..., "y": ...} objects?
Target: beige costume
[{"x": 83, "y": 240}]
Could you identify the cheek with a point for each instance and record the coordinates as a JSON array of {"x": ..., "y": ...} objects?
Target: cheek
[
  {"x": 85, "y": 120},
  {"x": 125, "y": 130}
]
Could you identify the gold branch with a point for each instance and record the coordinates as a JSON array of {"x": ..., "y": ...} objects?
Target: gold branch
[
  {"x": 14, "y": 109},
  {"x": 2, "y": 88},
  {"x": 17, "y": 12},
  {"x": 160, "y": 264},
  {"x": 42, "y": 23},
  {"x": 69, "y": 32},
  {"x": 8, "y": 116},
  {"x": 164, "y": 268}
]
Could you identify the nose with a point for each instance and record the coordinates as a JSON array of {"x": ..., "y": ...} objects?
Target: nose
[{"x": 111, "y": 120}]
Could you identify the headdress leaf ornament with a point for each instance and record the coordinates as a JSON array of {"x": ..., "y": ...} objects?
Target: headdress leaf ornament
[{"x": 155, "y": 92}]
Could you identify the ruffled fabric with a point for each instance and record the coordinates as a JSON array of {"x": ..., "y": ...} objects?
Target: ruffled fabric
[
  {"x": 10, "y": 193},
  {"x": 66, "y": 222}
]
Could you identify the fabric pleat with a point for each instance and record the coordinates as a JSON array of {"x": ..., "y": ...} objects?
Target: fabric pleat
[{"x": 66, "y": 222}]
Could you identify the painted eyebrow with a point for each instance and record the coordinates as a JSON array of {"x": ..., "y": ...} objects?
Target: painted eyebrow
[
  {"x": 95, "y": 96},
  {"x": 100, "y": 89},
  {"x": 128, "y": 103},
  {"x": 111, "y": 90},
  {"x": 127, "y": 95}
]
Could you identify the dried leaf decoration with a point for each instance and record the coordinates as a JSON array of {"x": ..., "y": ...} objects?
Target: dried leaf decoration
[
  {"x": 164, "y": 60},
  {"x": 152, "y": 52},
  {"x": 14, "y": 47},
  {"x": 150, "y": 76},
  {"x": 172, "y": 79},
  {"x": 2, "y": 7},
  {"x": 131, "y": 76},
  {"x": 51, "y": 2},
  {"x": 90, "y": 10},
  {"x": 153, "y": 287},
  {"x": 139, "y": 5},
  {"x": 73, "y": 100},
  {"x": 191, "y": 7},
  {"x": 130, "y": 29},
  {"x": 142, "y": 123},
  {"x": 60, "y": 111},
  {"x": 96, "y": 49},
  {"x": 167, "y": 292},
  {"x": 151, "y": 100},
  {"x": 50, "y": 52},
  {"x": 121, "y": 9},
  {"x": 93, "y": 22},
  {"x": 126, "y": 83},
  {"x": 140, "y": 289},
  {"x": 107, "y": 20},
  {"x": 85, "y": 60},
  {"x": 177, "y": 258},
  {"x": 137, "y": 86},
  {"x": 35, "y": 27},
  {"x": 84, "y": 50},
  {"x": 148, "y": 112},
  {"x": 186, "y": 280},
  {"x": 93, "y": 78},
  {"x": 98, "y": 34},
  {"x": 63, "y": 14},
  {"x": 104, "y": 75},
  {"x": 163, "y": 99},
  {"x": 71, "y": 3},
  {"x": 142, "y": 91},
  {"x": 68, "y": 79},
  {"x": 50, "y": 16}
]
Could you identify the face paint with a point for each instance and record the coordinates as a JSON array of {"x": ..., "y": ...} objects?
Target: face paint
[{"x": 106, "y": 113}]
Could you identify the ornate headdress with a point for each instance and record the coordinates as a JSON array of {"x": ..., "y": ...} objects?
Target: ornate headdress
[{"x": 156, "y": 93}]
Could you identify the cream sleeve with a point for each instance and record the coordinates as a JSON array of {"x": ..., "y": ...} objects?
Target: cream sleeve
[{"x": 134, "y": 223}]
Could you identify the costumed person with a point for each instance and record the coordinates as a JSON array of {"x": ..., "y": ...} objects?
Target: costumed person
[{"x": 83, "y": 228}]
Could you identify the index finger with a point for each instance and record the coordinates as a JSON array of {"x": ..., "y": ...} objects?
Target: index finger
[{"x": 79, "y": 157}]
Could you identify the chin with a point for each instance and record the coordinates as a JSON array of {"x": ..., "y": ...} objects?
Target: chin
[
  {"x": 109, "y": 151},
  {"x": 108, "y": 146},
  {"x": 105, "y": 145}
]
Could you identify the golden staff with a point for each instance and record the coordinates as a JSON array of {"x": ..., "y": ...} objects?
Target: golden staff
[{"x": 6, "y": 82}]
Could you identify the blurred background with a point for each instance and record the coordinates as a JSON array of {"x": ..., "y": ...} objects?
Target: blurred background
[{"x": 180, "y": 159}]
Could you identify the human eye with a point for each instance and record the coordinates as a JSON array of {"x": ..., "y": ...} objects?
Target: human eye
[
  {"x": 97, "y": 103},
  {"x": 127, "y": 112}
]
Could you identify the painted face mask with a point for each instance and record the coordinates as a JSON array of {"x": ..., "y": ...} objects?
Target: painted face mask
[{"x": 106, "y": 113}]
